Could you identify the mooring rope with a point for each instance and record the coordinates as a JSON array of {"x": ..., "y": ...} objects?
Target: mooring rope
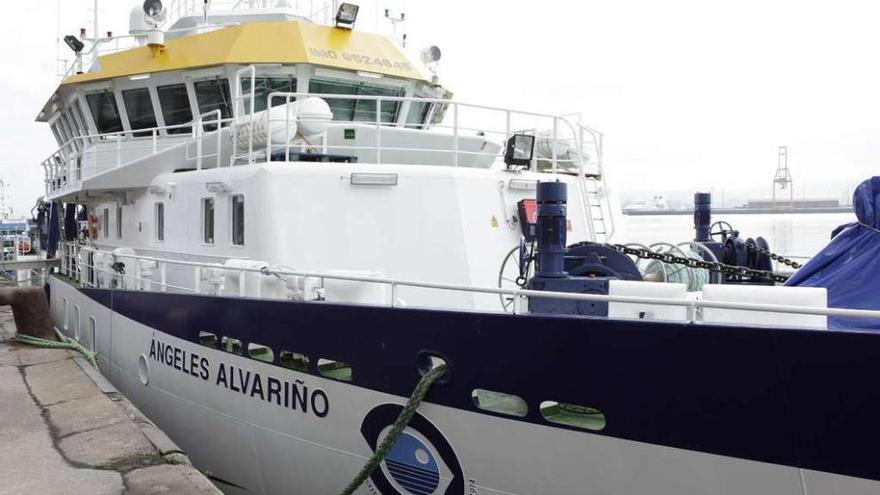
[
  {"x": 65, "y": 343},
  {"x": 397, "y": 428}
]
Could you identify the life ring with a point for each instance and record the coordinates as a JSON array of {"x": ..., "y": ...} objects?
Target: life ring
[{"x": 24, "y": 245}]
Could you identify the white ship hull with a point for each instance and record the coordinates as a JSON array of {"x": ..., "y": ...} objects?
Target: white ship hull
[{"x": 250, "y": 443}]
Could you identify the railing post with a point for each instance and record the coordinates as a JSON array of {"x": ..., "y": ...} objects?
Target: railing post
[
  {"x": 507, "y": 127},
  {"x": 393, "y": 293},
  {"x": 137, "y": 275},
  {"x": 378, "y": 130},
  {"x": 241, "y": 284},
  {"x": 163, "y": 276},
  {"x": 555, "y": 138},
  {"x": 198, "y": 136},
  {"x": 155, "y": 140},
  {"x": 197, "y": 283},
  {"x": 455, "y": 134},
  {"x": 118, "y": 151}
]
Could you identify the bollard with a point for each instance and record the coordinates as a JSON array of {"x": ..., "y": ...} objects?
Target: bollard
[{"x": 30, "y": 308}]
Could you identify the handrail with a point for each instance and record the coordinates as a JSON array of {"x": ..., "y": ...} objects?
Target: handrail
[
  {"x": 556, "y": 119},
  {"x": 516, "y": 293}
]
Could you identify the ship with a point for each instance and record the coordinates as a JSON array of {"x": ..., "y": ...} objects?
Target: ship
[{"x": 289, "y": 245}]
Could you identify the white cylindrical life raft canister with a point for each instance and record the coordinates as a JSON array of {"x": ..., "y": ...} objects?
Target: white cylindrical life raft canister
[{"x": 282, "y": 123}]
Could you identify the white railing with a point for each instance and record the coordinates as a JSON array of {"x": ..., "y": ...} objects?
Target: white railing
[
  {"x": 83, "y": 61},
  {"x": 552, "y": 131},
  {"x": 317, "y": 11},
  {"x": 77, "y": 158},
  {"x": 77, "y": 268},
  {"x": 85, "y": 156}
]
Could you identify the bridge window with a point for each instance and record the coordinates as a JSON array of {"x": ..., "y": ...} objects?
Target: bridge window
[
  {"x": 208, "y": 220},
  {"x": 56, "y": 131},
  {"x": 238, "y": 220},
  {"x": 417, "y": 114},
  {"x": 264, "y": 86},
  {"x": 104, "y": 112},
  {"x": 78, "y": 113},
  {"x": 211, "y": 95},
  {"x": 174, "y": 101},
  {"x": 105, "y": 220},
  {"x": 72, "y": 130},
  {"x": 139, "y": 108},
  {"x": 358, "y": 110}
]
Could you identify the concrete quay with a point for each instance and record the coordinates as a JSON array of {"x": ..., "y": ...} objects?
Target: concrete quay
[{"x": 65, "y": 430}]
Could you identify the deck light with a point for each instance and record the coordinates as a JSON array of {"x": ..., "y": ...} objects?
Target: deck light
[
  {"x": 74, "y": 44},
  {"x": 520, "y": 148},
  {"x": 370, "y": 179},
  {"x": 346, "y": 15}
]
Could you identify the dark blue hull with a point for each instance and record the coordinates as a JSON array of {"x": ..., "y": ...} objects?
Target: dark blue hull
[{"x": 801, "y": 398}]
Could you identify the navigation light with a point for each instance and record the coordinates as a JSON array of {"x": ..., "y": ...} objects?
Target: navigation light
[{"x": 346, "y": 15}]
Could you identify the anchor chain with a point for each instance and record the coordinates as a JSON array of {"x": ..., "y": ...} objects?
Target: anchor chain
[
  {"x": 752, "y": 246},
  {"x": 712, "y": 266}
]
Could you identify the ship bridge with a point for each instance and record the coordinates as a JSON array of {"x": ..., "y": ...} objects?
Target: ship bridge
[
  {"x": 132, "y": 108},
  {"x": 127, "y": 97}
]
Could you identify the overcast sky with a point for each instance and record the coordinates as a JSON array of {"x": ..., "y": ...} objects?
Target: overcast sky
[{"x": 690, "y": 94}]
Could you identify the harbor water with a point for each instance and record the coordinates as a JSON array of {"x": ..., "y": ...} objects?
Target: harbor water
[{"x": 793, "y": 235}]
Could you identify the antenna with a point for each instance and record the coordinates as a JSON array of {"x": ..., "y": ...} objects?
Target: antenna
[
  {"x": 782, "y": 180},
  {"x": 395, "y": 20}
]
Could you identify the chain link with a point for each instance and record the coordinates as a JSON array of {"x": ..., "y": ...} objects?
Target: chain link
[
  {"x": 712, "y": 266},
  {"x": 752, "y": 246}
]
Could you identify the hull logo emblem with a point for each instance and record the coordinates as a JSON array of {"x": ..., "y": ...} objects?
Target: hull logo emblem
[{"x": 422, "y": 461}]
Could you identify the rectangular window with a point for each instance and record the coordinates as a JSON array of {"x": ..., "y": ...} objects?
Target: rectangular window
[
  {"x": 72, "y": 129},
  {"x": 104, "y": 112},
  {"x": 160, "y": 221},
  {"x": 174, "y": 101},
  {"x": 238, "y": 220},
  {"x": 77, "y": 110},
  {"x": 119, "y": 222},
  {"x": 105, "y": 220},
  {"x": 264, "y": 86},
  {"x": 211, "y": 95},
  {"x": 139, "y": 108},
  {"x": 417, "y": 114},
  {"x": 208, "y": 220},
  {"x": 55, "y": 131},
  {"x": 358, "y": 110}
]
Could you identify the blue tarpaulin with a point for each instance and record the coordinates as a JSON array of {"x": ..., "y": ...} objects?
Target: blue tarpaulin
[{"x": 849, "y": 267}]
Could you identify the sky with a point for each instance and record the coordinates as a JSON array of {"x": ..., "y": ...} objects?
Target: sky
[{"x": 689, "y": 94}]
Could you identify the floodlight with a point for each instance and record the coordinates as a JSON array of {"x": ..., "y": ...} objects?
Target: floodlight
[
  {"x": 520, "y": 148},
  {"x": 346, "y": 15},
  {"x": 155, "y": 12},
  {"x": 431, "y": 54},
  {"x": 75, "y": 44}
]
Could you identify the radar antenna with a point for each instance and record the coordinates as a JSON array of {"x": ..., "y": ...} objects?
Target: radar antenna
[{"x": 783, "y": 180}]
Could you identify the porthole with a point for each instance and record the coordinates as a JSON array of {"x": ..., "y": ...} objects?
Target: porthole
[{"x": 587, "y": 418}]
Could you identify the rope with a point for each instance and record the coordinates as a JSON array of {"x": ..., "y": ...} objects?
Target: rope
[
  {"x": 397, "y": 428},
  {"x": 65, "y": 343}
]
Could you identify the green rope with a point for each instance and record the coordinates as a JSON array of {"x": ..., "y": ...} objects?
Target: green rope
[
  {"x": 397, "y": 428},
  {"x": 65, "y": 343}
]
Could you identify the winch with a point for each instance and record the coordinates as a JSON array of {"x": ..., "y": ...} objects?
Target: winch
[
  {"x": 730, "y": 248},
  {"x": 588, "y": 267},
  {"x": 583, "y": 268}
]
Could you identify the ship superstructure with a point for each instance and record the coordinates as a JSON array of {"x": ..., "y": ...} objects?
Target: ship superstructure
[{"x": 271, "y": 224}]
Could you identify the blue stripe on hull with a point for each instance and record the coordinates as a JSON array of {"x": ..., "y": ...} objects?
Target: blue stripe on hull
[{"x": 794, "y": 397}]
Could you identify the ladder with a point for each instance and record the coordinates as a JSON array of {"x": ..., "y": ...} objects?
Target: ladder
[{"x": 594, "y": 195}]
